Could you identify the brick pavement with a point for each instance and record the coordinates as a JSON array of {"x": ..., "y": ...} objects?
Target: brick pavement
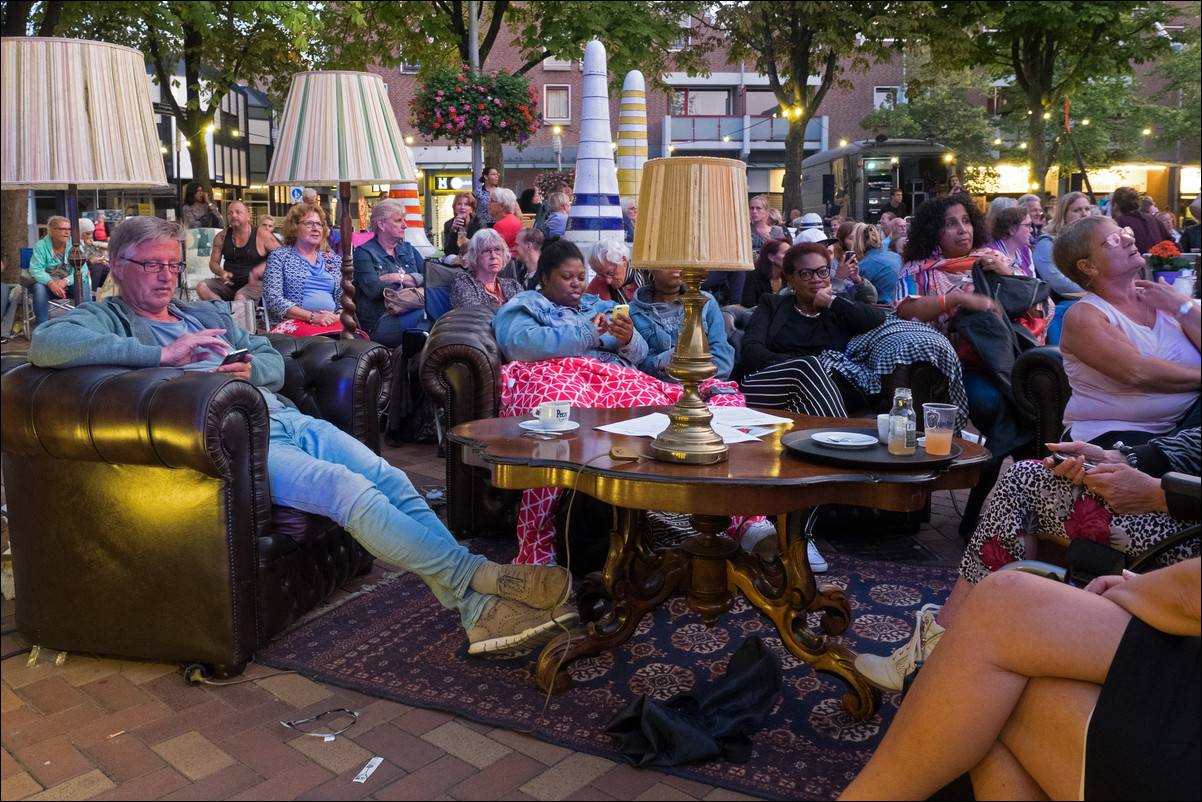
[{"x": 117, "y": 729}]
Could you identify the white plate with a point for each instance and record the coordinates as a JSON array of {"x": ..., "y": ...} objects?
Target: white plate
[
  {"x": 850, "y": 440},
  {"x": 537, "y": 426}
]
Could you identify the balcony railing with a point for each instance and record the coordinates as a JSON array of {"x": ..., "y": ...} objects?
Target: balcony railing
[{"x": 746, "y": 131}]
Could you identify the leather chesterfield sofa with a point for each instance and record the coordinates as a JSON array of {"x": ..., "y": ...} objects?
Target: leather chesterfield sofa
[
  {"x": 140, "y": 515},
  {"x": 461, "y": 371}
]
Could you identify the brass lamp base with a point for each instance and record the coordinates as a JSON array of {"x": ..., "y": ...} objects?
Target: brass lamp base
[{"x": 689, "y": 438}]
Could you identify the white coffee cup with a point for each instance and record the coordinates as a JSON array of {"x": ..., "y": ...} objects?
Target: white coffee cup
[
  {"x": 554, "y": 414},
  {"x": 882, "y": 428}
]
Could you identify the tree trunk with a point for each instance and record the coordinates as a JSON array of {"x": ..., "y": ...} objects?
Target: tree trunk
[
  {"x": 795, "y": 142},
  {"x": 1043, "y": 153},
  {"x": 14, "y": 231},
  {"x": 494, "y": 156}
]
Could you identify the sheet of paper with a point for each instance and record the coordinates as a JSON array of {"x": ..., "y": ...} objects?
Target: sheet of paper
[
  {"x": 651, "y": 425},
  {"x": 742, "y": 416}
]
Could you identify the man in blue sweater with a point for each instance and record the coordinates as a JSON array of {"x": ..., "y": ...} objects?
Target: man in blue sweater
[{"x": 312, "y": 465}]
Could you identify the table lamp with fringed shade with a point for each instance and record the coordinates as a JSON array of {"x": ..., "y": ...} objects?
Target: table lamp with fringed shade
[
  {"x": 76, "y": 115},
  {"x": 339, "y": 128},
  {"x": 693, "y": 217}
]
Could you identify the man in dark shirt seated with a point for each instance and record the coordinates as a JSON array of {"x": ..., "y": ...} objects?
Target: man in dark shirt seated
[{"x": 312, "y": 465}]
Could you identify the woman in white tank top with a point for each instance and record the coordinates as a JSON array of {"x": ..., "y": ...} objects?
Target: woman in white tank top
[{"x": 1131, "y": 347}]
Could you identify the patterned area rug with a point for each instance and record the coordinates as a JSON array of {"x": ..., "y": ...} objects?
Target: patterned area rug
[{"x": 396, "y": 642}]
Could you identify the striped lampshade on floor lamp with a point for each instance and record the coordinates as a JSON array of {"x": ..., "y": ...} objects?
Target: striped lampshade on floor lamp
[
  {"x": 339, "y": 128},
  {"x": 76, "y": 115}
]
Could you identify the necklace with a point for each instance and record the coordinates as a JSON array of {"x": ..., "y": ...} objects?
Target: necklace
[{"x": 804, "y": 313}]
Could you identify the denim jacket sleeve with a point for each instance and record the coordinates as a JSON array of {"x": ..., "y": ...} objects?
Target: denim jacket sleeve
[{"x": 530, "y": 328}]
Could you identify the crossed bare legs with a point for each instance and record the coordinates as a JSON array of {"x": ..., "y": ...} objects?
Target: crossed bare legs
[{"x": 1008, "y": 694}]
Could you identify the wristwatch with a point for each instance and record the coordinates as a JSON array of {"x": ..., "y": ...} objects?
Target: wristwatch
[
  {"x": 1128, "y": 454},
  {"x": 1185, "y": 308}
]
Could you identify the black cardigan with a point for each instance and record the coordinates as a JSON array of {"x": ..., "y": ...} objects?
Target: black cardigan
[{"x": 778, "y": 332}]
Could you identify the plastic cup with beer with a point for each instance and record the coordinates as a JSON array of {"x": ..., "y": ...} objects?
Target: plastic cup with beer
[{"x": 939, "y": 421}]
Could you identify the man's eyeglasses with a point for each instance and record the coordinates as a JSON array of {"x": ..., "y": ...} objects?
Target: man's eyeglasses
[
  {"x": 806, "y": 275},
  {"x": 1116, "y": 239},
  {"x": 158, "y": 267}
]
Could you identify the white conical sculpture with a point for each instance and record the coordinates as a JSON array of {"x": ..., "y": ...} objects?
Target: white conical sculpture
[
  {"x": 415, "y": 228},
  {"x": 632, "y": 134},
  {"x": 596, "y": 214}
]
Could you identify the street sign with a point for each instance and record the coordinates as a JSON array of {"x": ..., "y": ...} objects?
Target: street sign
[
  {"x": 295, "y": 194},
  {"x": 164, "y": 108}
]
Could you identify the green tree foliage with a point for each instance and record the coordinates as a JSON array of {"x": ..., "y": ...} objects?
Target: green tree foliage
[
  {"x": 637, "y": 35},
  {"x": 949, "y": 110},
  {"x": 792, "y": 42},
  {"x": 1050, "y": 50},
  {"x": 217, "y": 42},
  {"x": 1182, "y": 91}
]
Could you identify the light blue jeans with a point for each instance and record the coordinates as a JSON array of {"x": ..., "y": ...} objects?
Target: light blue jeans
[
  {"x": 316, "y": 467},
  {"x": 41, "y": 299}
]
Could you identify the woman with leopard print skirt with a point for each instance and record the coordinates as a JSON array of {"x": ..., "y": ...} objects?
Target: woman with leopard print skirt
[{"x": 1112, "y": 497}]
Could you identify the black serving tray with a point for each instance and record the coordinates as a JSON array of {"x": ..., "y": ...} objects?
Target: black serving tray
[{"x": 801, "y": 445}]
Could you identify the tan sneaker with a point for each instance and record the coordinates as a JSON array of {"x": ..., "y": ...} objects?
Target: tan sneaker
[
  {"x": 890, "y": 672},
  {"x": 542, "y": 586},
  {"x": 511, "y": 626}
]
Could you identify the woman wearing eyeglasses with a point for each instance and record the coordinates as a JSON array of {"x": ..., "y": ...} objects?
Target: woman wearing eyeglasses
[
  {"x": 301, "y": 282},
  {"x": 485, "y": 255},
  {"x": 787, "y": 334},
  {"x": 1130, "y": 346}
]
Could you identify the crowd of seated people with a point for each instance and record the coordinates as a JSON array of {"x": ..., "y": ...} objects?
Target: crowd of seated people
[
  {"x": 562, "y": 343},
  {"x": 1131, "y": 353}
]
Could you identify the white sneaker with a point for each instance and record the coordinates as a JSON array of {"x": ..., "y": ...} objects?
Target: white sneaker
[
  {"x": 759, "y": 537},
  {"x": 817, "y": 563},
  {"x": 890, "y": 672}
]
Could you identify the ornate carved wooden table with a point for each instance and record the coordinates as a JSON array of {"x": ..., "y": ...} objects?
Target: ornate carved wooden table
[{"x": 759, "y": 478}]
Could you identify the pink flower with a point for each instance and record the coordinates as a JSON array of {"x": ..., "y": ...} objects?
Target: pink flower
[
  {"x": 994, "y": 556},
  {"x": 1089, "y": 520},
  {"x": 502, "y": 124}
]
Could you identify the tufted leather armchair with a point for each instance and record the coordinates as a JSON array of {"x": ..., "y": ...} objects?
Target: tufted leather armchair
[
  {"x": 140, "y": 514},
  {"x": 1041, "y": 392},
  {"x": 461, "y": 371}
]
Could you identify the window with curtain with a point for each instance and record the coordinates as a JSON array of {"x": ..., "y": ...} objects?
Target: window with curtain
[{"x": 557, "y": 102}]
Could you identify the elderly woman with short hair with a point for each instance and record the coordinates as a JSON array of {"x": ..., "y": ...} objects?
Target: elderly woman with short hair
[
  {"x": 1131, "y": 347},
  {"x": 502, "y": 206},
  {"x": 610, "y": 261},
  {"x": 630, "y": 213},
  {"x": 557, "y": 221},
  {"x": 386, "y": 261},
  {"x": 480, "y": 284}
]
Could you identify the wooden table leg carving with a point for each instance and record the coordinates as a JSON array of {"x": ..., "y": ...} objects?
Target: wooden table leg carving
[
  {"x": 634, "y": 582},
  {"x": 784, "y": 589}
]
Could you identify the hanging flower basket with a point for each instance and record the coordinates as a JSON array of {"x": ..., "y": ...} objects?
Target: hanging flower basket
[{"x": 455, "y": 106}]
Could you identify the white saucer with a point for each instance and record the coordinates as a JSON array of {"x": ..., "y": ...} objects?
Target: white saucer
[
  {"x": 849, "y": 440},
  {"x": 537, "y": 426}
]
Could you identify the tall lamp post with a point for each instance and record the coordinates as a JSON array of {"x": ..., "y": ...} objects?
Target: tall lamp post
[{"x": 557, "y": 146}]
